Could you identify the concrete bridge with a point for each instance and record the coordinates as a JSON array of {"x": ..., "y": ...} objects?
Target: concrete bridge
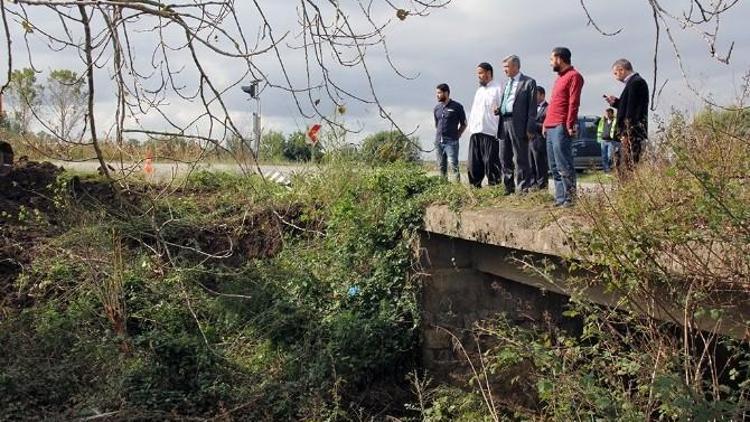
[{"x": 515, "y": 261}]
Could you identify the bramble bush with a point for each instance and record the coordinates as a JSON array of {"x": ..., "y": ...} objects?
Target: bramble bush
[
  {"x": 141, "y": 315},
  {"x": 671, "y": 241}
]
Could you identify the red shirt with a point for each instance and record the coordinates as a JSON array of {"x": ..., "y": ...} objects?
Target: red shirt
[{"x": 566, "y": 99}]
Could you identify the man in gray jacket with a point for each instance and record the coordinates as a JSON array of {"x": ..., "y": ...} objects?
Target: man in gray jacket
[{"x": 517, "y": 125}]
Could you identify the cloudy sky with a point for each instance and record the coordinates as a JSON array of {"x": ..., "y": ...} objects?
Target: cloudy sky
[{"x": 446, "y": 46}]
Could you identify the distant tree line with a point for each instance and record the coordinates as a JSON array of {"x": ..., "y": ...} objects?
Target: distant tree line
[
  {"x": 57, "y": 107},
  {"x": 378, "y": 148},
  {"x": 58, "y": 104}
]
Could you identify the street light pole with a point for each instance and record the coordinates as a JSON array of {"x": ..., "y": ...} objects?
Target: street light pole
[
  {"x": 257, "y": 126},
  {"x": 252, "y": 90}
]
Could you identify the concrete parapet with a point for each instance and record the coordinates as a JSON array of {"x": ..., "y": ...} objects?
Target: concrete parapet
[{"x": 539, "y": 231}]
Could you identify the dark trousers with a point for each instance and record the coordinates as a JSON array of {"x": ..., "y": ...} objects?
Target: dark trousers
[
  {"x": 628, "y": 155},
  {"x": 483, "y": 159},
  {"x": 538, "y": 162},
  {"x": 514, "y": 158}
]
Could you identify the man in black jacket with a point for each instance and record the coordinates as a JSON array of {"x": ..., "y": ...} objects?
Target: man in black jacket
[
  {"x": 538, "y": 145},
  {"x": 632, "y": 115}
]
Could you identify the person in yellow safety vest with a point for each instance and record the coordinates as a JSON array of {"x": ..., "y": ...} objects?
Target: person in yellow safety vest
[{"x": 606, "y": 135}]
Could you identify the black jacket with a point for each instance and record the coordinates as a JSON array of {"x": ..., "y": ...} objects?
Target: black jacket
[
  {"x": 632, "y": 108},
  {"x": 541, "y": 114}
]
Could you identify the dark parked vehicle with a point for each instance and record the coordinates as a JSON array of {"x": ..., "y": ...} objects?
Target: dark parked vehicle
[{"x": 587, "y": 152}]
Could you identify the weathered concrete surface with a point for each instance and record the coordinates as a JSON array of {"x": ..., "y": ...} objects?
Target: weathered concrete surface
[
  {"x": 544, "y": 231},
  {"x": 516, "y": 244}
]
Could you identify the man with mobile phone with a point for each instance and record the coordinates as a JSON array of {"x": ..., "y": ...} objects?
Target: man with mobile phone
[{"x": 632, "y": 115}]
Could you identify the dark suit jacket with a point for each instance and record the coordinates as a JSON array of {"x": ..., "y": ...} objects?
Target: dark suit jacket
[
  {"x": 632, "y": 108},
  {"x": 524, "y": 108},
  {"x": 541, "y": 114}
]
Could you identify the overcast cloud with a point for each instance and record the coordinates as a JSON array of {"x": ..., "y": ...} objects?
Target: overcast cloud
[{"x": 447, "y": 46}]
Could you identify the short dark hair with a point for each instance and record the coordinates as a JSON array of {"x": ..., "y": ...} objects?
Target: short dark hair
[
  {"x": 563, "y": 53},
  {"x": 540, "y": 90},
  {"x": 610, "y": 110},
  {"x": 444, "y": 88},
  {"x": 486, "y": 66}
]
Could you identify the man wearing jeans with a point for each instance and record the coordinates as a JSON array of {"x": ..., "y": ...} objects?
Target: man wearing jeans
[
  {"x": 450, "y": 123},
  {"x": 561, "y": 124},
  {"x": 605, "y": 134}
]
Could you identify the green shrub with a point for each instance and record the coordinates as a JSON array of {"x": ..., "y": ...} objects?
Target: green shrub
[
  {"x": 272, "y": 146},
  {"x": 296, "y": 148},
  {"x": 389, "y": 147},
  {"x": 298, "y": 334}
]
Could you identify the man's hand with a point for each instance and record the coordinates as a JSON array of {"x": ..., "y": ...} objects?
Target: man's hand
[
  {"x": 544, "y": 132},
  {"x": 625, "y": 142},
  {"x": 573, "y": 131},
  {"x": 610, "y": 99}
]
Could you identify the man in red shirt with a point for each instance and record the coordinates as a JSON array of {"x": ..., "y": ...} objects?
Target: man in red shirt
[{"x": 561, "y": 125}]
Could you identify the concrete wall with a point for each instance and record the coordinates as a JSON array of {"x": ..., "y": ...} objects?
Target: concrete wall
[
  {"x": 531, "y": 247},
  {"x": 465, "y": 286}
]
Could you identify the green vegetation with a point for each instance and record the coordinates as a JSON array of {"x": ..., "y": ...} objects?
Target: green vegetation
[
  {"x": 24, "y": 93},
  {"x": 314, "y": 316},
  {"x": 672, "y": 240},
  {"x": 57, "y": 109},
  {"x": 389, "y": 147},
  {"x": 239, "y": 299},
  {"x": 597, "y": 177},
  {"x": 732, "y": 121}
]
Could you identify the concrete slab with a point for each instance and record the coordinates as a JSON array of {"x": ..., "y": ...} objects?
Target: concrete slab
[{"x": 544, "y": 231}]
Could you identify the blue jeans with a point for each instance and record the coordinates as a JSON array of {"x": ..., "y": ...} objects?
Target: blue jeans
[
  {"x": 609, "y": 149},
  {"x": 560, "y": 158},
  {"x": 447, "y": 154}
]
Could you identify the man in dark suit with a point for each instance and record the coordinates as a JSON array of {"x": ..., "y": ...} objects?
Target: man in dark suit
[
  {"x": 632, "y": 115},
  {"x": 538, "y": 144},
  {"x": 517, "y": 125}
]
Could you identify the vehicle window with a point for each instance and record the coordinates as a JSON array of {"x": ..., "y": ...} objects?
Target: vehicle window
[{"x": 587, "y": 128}]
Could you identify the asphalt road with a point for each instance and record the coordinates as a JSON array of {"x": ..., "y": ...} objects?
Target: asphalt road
[
  {"x": 167, "y": 171},
  {"x": 164, "y": 172}
]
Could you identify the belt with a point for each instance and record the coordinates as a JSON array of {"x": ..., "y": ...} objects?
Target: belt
[{"x": 507, "y": 115}]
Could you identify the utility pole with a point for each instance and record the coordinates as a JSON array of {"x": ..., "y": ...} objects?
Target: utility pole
[{"x": 254, "y": 93}]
